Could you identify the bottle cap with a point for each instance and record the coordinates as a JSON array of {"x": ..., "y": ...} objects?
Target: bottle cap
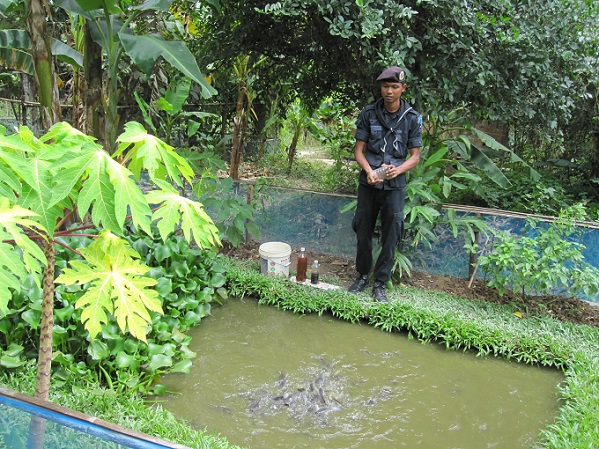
[{"x": 302, "y": 249}]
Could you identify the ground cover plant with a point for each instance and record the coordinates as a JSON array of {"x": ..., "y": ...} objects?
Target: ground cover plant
[{"x": 127, "y": 409}]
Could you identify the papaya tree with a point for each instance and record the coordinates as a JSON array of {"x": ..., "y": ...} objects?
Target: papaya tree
[{"x": 64, "y": 184}]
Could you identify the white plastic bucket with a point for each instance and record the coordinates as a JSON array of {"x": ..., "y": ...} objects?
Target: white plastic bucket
[{"x": 275, "y": 258}]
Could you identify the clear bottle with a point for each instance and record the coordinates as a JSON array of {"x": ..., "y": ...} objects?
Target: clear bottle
[
  {"x": 381, "y": 172},
  {"x": 314, "y": 270},
  {"x": 302, "y": 265}
]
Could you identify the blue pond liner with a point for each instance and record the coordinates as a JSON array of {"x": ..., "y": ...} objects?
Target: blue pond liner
[{"x": 65, "y": 427}]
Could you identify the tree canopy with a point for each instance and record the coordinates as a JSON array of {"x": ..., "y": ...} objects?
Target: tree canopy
[{"x": 505, "y": 59}]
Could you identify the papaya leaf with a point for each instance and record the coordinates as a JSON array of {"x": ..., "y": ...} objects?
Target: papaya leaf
[
  {"x": 72, "y": 169},
  {"x": 99, "y": 191},
  {"x": 10, "y": 187},
  {"x": 130, "y": 197},
  {"x": 13, "y": 267},
  {"x": 117, "y": 286},
  {"x": 38, "y": 199},
  {"x": 196, "y": 224},
  {"x": 152, "y": 154}
]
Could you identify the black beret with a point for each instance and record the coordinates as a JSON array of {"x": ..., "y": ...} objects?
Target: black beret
[{"x": 395, "y": 74}]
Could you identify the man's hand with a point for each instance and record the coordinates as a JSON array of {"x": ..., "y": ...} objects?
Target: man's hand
[{"x": 372, "y": 178}]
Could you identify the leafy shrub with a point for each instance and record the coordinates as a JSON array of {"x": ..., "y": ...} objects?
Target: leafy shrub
[
  {"x": 233, "y": 216},
  {"x": 189, "y": 281},
  {"x": 546, "y": 196},
  {"x": 544, "y": 261}
]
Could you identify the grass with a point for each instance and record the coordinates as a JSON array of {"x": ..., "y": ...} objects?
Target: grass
[
  {"x": 431, "y": 317},
  {"x": 128, "y": 410}
]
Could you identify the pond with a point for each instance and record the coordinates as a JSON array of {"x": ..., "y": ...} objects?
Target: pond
[{"x": 267, "y": 378}]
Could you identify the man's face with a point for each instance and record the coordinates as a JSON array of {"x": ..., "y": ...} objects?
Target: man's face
[{"x": 392, "y": 91}]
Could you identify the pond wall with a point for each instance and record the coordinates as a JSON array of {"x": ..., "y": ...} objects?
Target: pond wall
[{"x": 65, "y": 427}]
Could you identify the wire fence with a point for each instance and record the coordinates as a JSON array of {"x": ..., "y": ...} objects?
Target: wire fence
[
  {"x": 315, "y": 220},
  {"x": 14, "y": 113}
]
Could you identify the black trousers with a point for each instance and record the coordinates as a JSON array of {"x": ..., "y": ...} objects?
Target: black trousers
[{"x": 390, "y": 205}]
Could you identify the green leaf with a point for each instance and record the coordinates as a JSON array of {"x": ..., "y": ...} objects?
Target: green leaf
[
  {"x": 15, "y": 48},
  {"x": 487, "y": 165},
  {"x": 112, "y": 272},
  {"x": 130, "y": 198},
  {"x": 11, "y": 362},
  {"x": 184, "y": 366},
  {"x": 83, "y": 7},
  {"x": 98, "y": 191},
  {"x": 32, "y": 317},
  {"x": 13, "y": 222},
  {"x": 13, "y": 350},
  {"x": 218, "y": 280},
  {"x": 152, "y": 154},
  {"x": 177, "y": 96},
  {"x": 159, "y": 361},
  {"x": 154, "y": 5},
  {"x": 98, "y": 350},
  {"x": 173, "y": 208},
  {"x": 437, "y": 156},
  {"x": 145, "y": 51},
  {"x": 67, "y": 54},
  {"x": 124, "y": 360}
]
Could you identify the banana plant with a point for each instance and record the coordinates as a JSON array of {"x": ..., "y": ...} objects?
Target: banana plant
[
  {"x": 63, "y": 186},
  {"x": 112, "y": 27},
  {"x": 31, "y": 51},
  {"x": 111, "y": 24},
  {"x": 166, "y": 112}
]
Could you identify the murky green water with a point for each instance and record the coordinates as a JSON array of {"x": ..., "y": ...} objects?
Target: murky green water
[{"x": 267, "y": 379}]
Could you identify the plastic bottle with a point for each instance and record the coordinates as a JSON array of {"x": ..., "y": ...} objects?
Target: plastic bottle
[
  {"x": 314, "y": 272},
  {"x": 381, "y": 172},
  {"x": 302, "y": 265}
]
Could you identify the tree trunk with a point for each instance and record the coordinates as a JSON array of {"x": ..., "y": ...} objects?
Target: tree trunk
[
  {"x": 235, "y": 148},
  {"x": 42, "y": 61},
  {"x": 293, "y": 148},
  {"x": 78, "y": 119},
  {"x": 37, "y": 425},
  {"x": 595, "y": 155},
  {"x": 94, "y": 106},
  {"x": 44, "y": 360},
  {"x": 262, "y": 146},
  {"x": 237, "y": 141}
]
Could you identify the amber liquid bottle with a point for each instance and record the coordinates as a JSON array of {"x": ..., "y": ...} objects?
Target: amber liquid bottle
[{"x": 302, "y": 265}]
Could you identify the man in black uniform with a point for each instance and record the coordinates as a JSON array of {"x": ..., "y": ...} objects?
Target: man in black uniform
[{"x": 388, "y": 131}]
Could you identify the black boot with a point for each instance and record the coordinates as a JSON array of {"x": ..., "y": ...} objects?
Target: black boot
[
  {"x": 359, "y": 285},
  {"x": 378, "y": 291}
]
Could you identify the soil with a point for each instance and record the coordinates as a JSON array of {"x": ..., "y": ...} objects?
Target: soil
[{"x": 342, "y": 271}]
